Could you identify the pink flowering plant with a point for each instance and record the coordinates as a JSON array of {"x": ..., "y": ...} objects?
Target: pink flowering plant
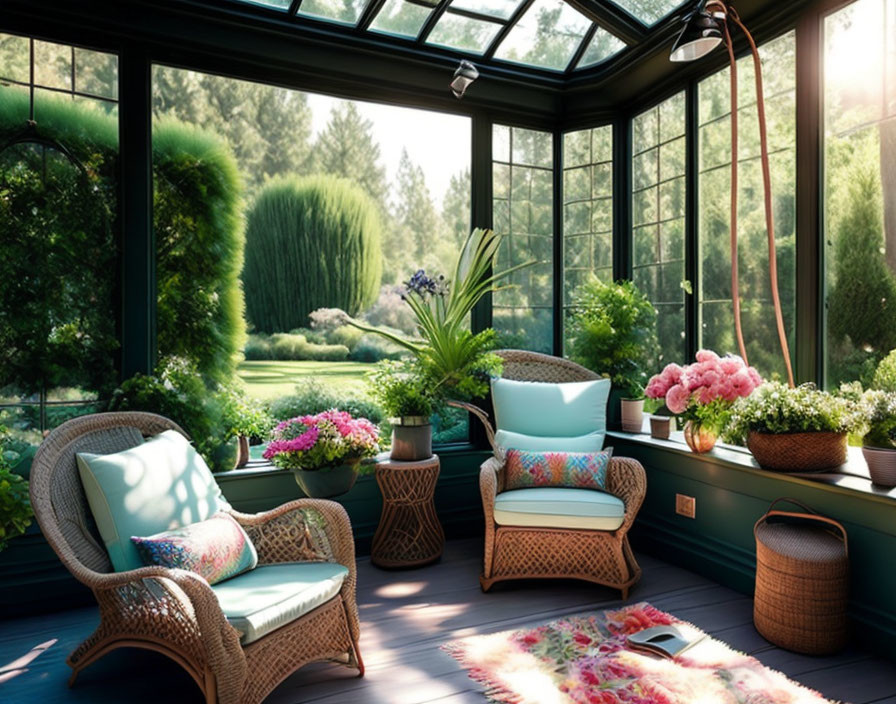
[
  {"x": 327, "y": 439},
  {"x": 705, "y": 391}
]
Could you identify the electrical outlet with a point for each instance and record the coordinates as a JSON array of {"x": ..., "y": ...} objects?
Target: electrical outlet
[{"x": 685, "y": 506}]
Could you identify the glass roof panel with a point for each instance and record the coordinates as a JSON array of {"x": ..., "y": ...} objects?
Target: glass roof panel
[
  {"x": 546, "y": 36},
  {"x": 463, "y": 33},
  {"x": 276, "y": 4},
  {"x": 648, "y": 11},
  {"x": 401, "y": 17},
  {"x": 602, "y": 46},
  {"x": 342, "y": 11},
  {"x": 502, "y": 9}
]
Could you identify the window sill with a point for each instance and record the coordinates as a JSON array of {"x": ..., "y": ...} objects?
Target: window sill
[
  {"x": 262, "y": 467},
  {"x": 851, "y": 477}
]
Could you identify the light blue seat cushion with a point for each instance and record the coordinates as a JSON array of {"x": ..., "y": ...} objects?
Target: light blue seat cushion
[
  {"x": 592, "y": 442},
  {"x": 554, "y": 507},
  {"x": 544, "y": 417},
  {"x": 270, "y": 596},
  {"x": 156, "y": 486}
]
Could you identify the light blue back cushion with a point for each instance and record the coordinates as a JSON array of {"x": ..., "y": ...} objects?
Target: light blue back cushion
[
  {"x": 592, "y": 442},
  {"x": 532, "y": 415},
  {"x": 158, "y": 486}
]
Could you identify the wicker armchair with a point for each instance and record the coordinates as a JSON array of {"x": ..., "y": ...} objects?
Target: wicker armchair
[
  {"x": 517, "y": 552},
  {"x": 175, "y": 612}
]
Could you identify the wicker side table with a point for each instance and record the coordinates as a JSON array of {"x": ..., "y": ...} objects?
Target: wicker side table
[{"x": 409, "y": 533}]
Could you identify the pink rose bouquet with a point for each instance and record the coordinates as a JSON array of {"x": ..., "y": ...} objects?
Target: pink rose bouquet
[
  {"x": 704, "y": 391},
  {"x": 327, "y": 439}
]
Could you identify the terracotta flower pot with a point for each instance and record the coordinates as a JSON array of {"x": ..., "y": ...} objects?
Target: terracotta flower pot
[
  {"x": 411, "y": 439},
  {"x": 881, "y": 465},
  {"x": 327, "y": 482},
  {"x": 661, "y": 427},
  {"x": 698, "y": 437},
  {"x": 632, "y": 415}
]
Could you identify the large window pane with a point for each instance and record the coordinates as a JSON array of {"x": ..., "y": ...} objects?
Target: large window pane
[
  {"x": 414, "y": 196},
  {"x": 860, "y": 187},
  {"x": 658, "y": 207},
  {"x": 587, "y": 209},
  {"x": 757, "y": 312},
  {"x": 547, "y": 35},
  {"x": 523, "y": 212},
  {"x": 59, "y": 265}
]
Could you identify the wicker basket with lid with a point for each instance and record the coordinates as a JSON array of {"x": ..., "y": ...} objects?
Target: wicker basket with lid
[{"x": 802, "y": 580}]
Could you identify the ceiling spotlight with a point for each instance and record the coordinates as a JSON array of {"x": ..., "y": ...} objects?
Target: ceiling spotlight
[
  {"x": 466, "y": 73},
  {"x": 702, "y": 32}
]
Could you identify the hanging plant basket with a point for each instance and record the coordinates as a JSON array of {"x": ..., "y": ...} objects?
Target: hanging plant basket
[{"x": 797, "y": 452}]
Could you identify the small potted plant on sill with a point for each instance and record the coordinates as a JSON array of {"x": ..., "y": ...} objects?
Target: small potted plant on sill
[
  {"x": 879, "y": 443},
  {"x": 323, "y": 450},
  {"x": 401, "y": 389},
  {"x": 703, "y": 394},
  {"x": 799, "y": 429},
  {"x": 613, "y": 332},
  {"x": 246, "y": 419}
]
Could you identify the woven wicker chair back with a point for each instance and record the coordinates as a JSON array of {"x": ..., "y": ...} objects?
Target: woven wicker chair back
[
  {"x": 521, "y": 365},
  {"x": 57, "y": 496}
]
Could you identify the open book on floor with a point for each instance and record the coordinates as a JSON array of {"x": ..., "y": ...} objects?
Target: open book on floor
[{"x": 665, "y": 641}]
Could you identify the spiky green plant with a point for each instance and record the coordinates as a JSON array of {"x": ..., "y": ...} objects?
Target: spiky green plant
[{"x": 455, "y": 360}]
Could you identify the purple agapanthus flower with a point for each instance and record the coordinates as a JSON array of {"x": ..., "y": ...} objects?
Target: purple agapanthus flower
[{"x": 421, "y": 284}]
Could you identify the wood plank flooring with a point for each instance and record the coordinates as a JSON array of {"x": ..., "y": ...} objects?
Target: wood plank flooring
[{"x": 405, "y": 617}]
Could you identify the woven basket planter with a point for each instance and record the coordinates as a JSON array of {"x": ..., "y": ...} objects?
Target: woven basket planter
[
  {"x": 802, "y": 581},
  {"x": 797, "y": 452}
]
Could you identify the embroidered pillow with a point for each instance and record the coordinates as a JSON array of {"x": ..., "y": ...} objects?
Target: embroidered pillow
[
  {"x": 217, "y": 548},
  {"x": 525, "y": 469}
]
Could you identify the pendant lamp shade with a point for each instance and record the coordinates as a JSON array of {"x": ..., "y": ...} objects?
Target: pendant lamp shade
[{"x": 700, "y": 35}]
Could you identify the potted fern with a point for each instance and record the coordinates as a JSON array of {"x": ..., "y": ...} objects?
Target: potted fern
[{"x": 401, "y": 389}]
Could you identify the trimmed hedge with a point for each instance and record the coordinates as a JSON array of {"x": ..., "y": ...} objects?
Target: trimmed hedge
[
  {"x": 311, "y": 242},
  {"x": 199, "y": 230}
]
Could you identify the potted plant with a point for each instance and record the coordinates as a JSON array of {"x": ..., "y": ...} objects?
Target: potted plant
[
  {"x": 401, "y": 389},
  {"x": 15, "y": 505},
  {"x": 795, "y": 429},
  {"x": 703, "y": 394},
  {"x": 879, "y": 443},
  {"x": 246, "y": 419},
  {"x": 323, "y": 450},
  {"x": 453, "y": 362},
  {"x": 613, "y": 332}
]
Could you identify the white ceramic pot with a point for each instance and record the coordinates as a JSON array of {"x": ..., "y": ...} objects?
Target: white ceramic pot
[
  {"x": 881, "y": 465},
  {"x": 632, "y": 415}
]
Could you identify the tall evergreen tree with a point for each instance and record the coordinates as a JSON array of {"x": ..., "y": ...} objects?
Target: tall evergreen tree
[
  {"x": 456, "y": 207},
  {"x": 347, "y": 148},
  {"x": 416, "y": 221}
]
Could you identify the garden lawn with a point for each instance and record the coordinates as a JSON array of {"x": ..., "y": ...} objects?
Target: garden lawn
[{"x": 271, "y": 379}]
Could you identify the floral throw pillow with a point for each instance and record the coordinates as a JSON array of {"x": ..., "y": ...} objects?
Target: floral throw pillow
[
  {"x": 217, "y": 548},
  {"x": 525, "y": 469}
]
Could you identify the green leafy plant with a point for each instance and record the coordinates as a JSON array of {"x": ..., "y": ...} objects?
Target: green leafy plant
[
  {"x": 244, "y": 416},
  {"x": 312, "y": 397},
  {"x": 401, "y": 389},
  {"x": 885, "y": 375},
  {"x": 613, "y": 332},
  {"x": 776, "y": 408},
  {"x": 880, "y": 409},
  {"x": 15, "y": 505},
  {"x": 452, "y": 359},
  {"x": 177, "y": 391}
]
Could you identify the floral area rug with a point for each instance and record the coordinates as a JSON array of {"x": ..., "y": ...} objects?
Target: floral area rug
[{"x": 583, "y": 660}]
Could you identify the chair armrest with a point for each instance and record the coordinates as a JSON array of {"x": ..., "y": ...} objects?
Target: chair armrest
[
  {"x": 481, "y": 415},
  {"x": 627, "y": 480},
  {"x": 283, "y": 535},
  {"x": 489, "y": 486},
  {"x": 179, "y": 606}
]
